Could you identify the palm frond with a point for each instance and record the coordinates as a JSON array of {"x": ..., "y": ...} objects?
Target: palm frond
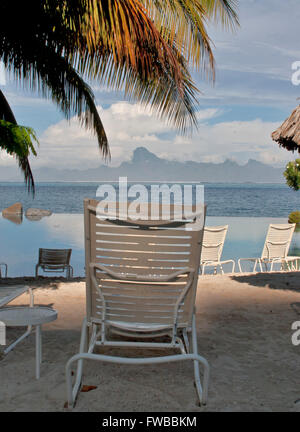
[
  {"x": 143, "y": 46},
  {"x": 17, "y": 141},
  {"x": 222, "y": 11},
  {"x": 5, "y": 110},
  {"x": 161, "y": 94},
  {"x": 44, "y": 70},
  {"x": 121, "y": 28}
]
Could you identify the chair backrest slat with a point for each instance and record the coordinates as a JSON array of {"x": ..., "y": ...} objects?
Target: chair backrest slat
[
  {"x": 278, "y": 240},
  {"x": 213, "y": 243},
  {"x": 134, "y": 248}
]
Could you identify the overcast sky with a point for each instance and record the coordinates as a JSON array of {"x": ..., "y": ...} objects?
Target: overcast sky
[{"x": 252, "y": 96}]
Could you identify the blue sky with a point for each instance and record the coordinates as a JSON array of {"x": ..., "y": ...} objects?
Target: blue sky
[{"x": 252, "y": 95}]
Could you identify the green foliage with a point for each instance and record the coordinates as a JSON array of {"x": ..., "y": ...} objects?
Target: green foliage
[
  {"x": 16, "y": 139},
  {"x": 292, "y": 174},
  {"x": 294, "y": 217}
]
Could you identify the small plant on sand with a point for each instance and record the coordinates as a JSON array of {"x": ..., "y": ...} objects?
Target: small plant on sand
[{"x": 294, "y": 217}]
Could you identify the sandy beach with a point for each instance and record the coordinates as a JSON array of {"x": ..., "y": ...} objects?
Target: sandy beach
[{"x": 244, "y": 331}]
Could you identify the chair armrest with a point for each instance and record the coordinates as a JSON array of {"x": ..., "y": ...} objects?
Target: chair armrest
[
  {"x": 158, "y": 278},
  {"x": 277, "y": 243}
]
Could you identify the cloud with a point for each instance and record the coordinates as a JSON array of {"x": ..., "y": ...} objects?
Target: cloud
[
  {"x": 65, "y": 229},
  {"x": 68, "y": 145}
]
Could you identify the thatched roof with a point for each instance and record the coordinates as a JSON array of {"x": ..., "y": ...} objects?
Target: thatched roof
[{"x": 288, "y": 134}]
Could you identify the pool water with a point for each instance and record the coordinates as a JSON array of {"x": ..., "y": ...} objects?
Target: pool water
[{"x": 19, "y": 243}]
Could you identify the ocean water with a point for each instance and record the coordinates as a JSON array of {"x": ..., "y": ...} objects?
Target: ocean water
[
  {"x": 247, "y": 209},
  {"x": 242, "y": 200},
  {"x": 20, "y": 243}
]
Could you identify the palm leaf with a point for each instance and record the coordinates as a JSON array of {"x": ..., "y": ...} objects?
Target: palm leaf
[
  {"x": 5, "y": 110},
  {"x": 17, "y": 140},
  {"x": 143, "y": 46},
  {"x": 185, "y": 23},
  {"x": 55, "y": 78}
]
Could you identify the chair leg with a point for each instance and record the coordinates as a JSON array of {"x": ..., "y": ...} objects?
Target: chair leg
[
  {"x": 38, "y": 350},
  {"x": 233, "y": 267},
  {"x": 202, "y": 392},
  {"x": 69, "y": 272},
  {"x": 73, "y": 391},
  {"x": 260, "y": 266},
  {"x": 186, "y": 340},
  {"x": 239, "y": 265},
  {"x": 36, "y": 270},
  {"x": 12, "y": 345}
]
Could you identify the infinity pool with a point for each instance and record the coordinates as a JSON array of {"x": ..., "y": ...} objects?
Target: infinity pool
[{"x": 19, "y": 243}]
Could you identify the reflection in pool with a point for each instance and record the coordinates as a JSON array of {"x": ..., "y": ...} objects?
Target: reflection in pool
[{"x": 19, "y": 244}]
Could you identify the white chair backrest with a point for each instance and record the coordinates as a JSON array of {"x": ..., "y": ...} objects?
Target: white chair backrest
[
  {"x": 141, "y": 248},
  {"x": 278, "y": 241},
  {"x": 213, "y": 243}
]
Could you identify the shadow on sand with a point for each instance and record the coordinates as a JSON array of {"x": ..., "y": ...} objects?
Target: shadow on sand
[{"x": 277, "y": 281}]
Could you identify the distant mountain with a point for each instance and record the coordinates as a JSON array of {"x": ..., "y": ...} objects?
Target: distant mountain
[{"x": 146, "y": 166}]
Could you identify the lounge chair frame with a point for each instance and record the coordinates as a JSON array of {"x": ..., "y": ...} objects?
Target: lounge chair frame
[
  {"x": 212, "y": 248},
  {"x": 106, "y": 285},
  {"x": 8, "y": 294},
  {"x": 54, "y": 261},
  {"x": 275, "y": 250}
]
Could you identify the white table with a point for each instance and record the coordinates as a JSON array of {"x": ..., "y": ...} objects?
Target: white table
[
  {"x": 29, "y": 316},
  {"x": 9, "y": 293}
]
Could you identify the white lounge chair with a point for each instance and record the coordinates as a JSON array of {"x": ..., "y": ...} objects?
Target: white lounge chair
[
  {"x": 212, "y": 248},
  {"x": 141, "y": 282},
  {"x": 275, "y": 249}
]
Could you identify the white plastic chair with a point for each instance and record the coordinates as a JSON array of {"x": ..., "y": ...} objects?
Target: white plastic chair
[
  {"x": 212, "y": 248},
  {"x": 141, "y": 282},
  {"x": 276, "y": 248},
  {"x": 54, "y": 260}
]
